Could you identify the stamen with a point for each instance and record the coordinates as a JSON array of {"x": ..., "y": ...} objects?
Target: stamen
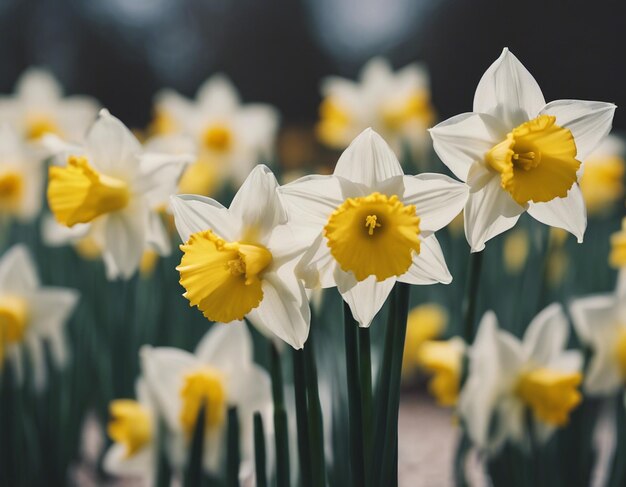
[
  {"x": 527, "y": 160},
  {"x": 371, "y": 221},
  {"x": 236, "y": 267}
]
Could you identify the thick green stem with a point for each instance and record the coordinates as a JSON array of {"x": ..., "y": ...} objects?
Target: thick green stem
[
  {"x": 304, "y": 452},
  {"x": 259, "y": 451},
  {"x": 471, "y": 295},
  {"x": 232, "y": 449},
  {"x": 280, "y": 421},
  {"x": 365, "y": 366},
  {"x": 193, "y": 473}
]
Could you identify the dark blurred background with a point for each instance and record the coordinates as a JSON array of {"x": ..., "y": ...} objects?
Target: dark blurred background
[{"x": 276, "y": 51}]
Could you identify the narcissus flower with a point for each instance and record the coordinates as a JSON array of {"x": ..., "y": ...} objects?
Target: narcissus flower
[
  {"x": 31, "y": 315},
  {"x": 617, "y": 256},
  {"x": 600, "y": 323},
  {"x": 372, "y": 225},
  {"x": 133, "y": 427},
  {"x": 508, "y": 378},
  {"x": 443, "y": 359},
  {"x": 518, "y": 154},
  {"x": 114, "y": 186},
  {"x": 397, "y": 105},
  {"x": 21, "y": 177},
  {"x": 424, "y": 322},
  {"x": 230, "y": 137},
  {"x": 238, "y": 261},
  {"x": 221, "y": 374},
  {"x": 38, "y": 108}
]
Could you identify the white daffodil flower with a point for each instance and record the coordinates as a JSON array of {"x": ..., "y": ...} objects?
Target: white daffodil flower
[
  {"x": 113, "y": 185},
  {"x": 38, "y": 108},
  {"x": 221, "y": 374},
  {"x": 238, "y": 261},
  {"x": 508, "y": 378},
  {"x": 230, "y": 137},
  {"x": 518, "y": 154},
  {"x": 21, "y": 177},
  {"x": 133, "y": 427},
  {"x": 31, "y": 314},
  {"x": 600, "y": 323},
  {"x": 395, "y": 104},
  {"x": 372, "y": 225}
]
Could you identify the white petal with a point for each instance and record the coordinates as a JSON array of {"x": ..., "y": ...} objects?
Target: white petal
[
  {"x": 194, "y": 213},
  {"x": 37, "y": 85},
  {"x": 589, "y": 122},
  {"x": 218, "y": 95},
  {"x": 429, "y": 266},
  {"x": 568, "y": 213},
  {"x": 158, "y": 176},
  {"x": 75, "y": 115},
  {"x": 140, "y": 465},
  {"x": 603, "y": 376},
  {"x": 284, "y": 309},
  {"x": 438, "y": 199},
  {"x": 368, "y": 160},
  {"x": 508, "y": 91},
  {"x": 227, "y": 346},
  {"x": 592, "y": 314},
  {"x": 38, "y": 363},
  {"x": 464, "y": 139},
  {"x": 366, "y": 297},
  {"x": 250, "y": 389},
  {"x": 17, "y": 271},
  {"x": 376, "y": 71},
  {"x": 567, "y": 361},
  {"x": 124, "y": 241},
  {"x": 257, "y": 204},
  {"x": 156, "y": 234},
  {"x": 546, "y": 336},
  {"x": 50, "y": 308},
  {"x": 489, "y": 212},
  {"x": 111, "y": 148},
  {"x": 317, "y": 266}
]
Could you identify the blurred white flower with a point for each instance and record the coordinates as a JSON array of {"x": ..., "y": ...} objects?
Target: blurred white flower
[
  {"x": 396, "y": 105},
  {"x": 231, "y": 137},
  {"x": 133, "y": 427},
  {"x": 372, "y": 225},
  {"x": 221, "y": 374},
  {"x": 508, "y": 378},
  {"x": 30, "y": 316},
  {"x": 239, "y": 261},
  {"x": 38, "y": 108},
  {"x": 21, "y": 177},
  {"x": 600, "y": 323},
  {"x": 518, "y": 154},
  {"x": 113, "y": 185}
]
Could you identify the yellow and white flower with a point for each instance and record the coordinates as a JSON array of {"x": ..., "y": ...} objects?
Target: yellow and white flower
[
  {"x": 396, "y": 105},
  {"x": 31, "y": 314},
  {"x": 443, "y": 359},
  {"x": 372, "y": 225},
  {"x": 133, "y": 427},
  {"x": 113, "y": 185},
  {"x": 509, "y": 377},
  {"x": 230, "y": 137},
  {"x": 220, "y": 374},
  {"x": 239, "y": 261},
  {"x": 518, "y": 154},
  {"x": 21, "y": 177},
  {"x": 38, "y": 108},
  {"x": 600, "y": 323}
]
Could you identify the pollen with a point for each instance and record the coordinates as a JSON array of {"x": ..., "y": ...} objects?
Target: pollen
[
  {"x": 373, "y": 235},
  {"x": 223, "y": 279},
  {"x": 550, "y": 394},
  {"x": 77, "y": 193},
  {"x": 537, "y": 161},
  {"x": 218, "y": 138},
  {"x": 203, "y": 387},
  {"x": 130, "y": 425},
  {"x": 13, "y": 318}
]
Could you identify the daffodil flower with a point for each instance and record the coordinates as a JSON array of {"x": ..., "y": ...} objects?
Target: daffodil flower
[
  {"x": 518, "y": 153},
  {"x": 31, "y": 315},
  {"x": 397, "y": 105},
  {"x": 443, "y": 359},
  {"x": 238, "y": 261},
  {"x": 38, "y": 108},
  {"x": 21, "y": 177},
  {"x": 133, "y": 427},
  {"x": 600, "y": 323},
  {"x": 230, "y": 136},
  {"x": 508, "y": 377},
  {"x": 221, "y": 374},
  {"x": 114, "y": 186},
  {"x": 372, "y": 225}
]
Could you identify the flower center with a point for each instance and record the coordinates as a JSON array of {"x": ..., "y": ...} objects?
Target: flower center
[
  {"x": 373, "y": 235},
  {"x": 334, "y": 123},
  {"x": 218, "y": 138},
  {"x": 78, "y": 194},
  {"x": 550, "y": 394},
  {"x": 537, "y": 161},
  {"x": 40, "y": 125},
  {"x": 414, "y": 108},
  {"x": 223, "y": 279},
  {"x": 11, "y": 189},
  {"x": 443, "y": 359},
  {"x": 130, "y": 425},
  {"x": 13, "y": 319},
  {"x": 203, "y": 387}
]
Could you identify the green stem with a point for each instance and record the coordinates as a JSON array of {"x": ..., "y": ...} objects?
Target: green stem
[
  {"x": 316, "y": 426},
  {"x": 232, "y": 449},
  {"x": 365, "y": 363},
  {"x": 617, "y": 468},
  {"x": 259, "y": 451},
  {"x": 193, "y": 473},
  {"x": 163, "y": 470},
  {"x": 471, "y": 295},
  {"x": 280, "y": 421},
  {"x": 357, "y": 459},
  {"x": 299, "y": 384}
]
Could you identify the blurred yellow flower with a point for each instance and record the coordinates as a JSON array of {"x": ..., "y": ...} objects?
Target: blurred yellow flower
[
  {"x": 130, "y": 425},
  {"x": 203, "y": 386},
  {"x": 444, "y": 360},
  {"x": 424, "y": 322},
  {"x": 617, "y": 256},
  {"x": 515, "y": 250}
]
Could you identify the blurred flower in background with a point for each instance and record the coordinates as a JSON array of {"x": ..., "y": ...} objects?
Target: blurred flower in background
[{"x": 424, "y": 322}]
